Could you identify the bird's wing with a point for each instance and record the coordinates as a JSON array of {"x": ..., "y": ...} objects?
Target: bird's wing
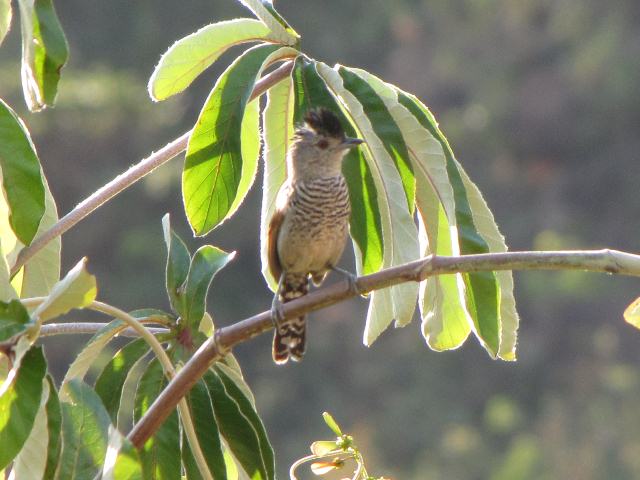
[{"x": 272, "y": 244}]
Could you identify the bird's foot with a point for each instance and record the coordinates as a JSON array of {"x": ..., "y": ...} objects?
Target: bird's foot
[{"x": 351, "y": 279}]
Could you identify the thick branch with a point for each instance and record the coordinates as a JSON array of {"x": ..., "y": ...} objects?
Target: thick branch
[
  {"x": 608, "y": 261},
  {"x": 128, "y": 178}
]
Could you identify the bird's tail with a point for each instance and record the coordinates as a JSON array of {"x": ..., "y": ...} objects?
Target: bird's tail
[{"x": 289, "y": 340}]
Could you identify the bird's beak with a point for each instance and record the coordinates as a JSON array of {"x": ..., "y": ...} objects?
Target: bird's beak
[{"x": 349, "y": 142}]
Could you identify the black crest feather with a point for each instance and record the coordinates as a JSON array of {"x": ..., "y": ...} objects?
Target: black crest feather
[{"x": 323, "y": 121}]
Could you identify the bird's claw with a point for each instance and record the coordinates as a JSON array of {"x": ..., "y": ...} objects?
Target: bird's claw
[{"x": 351, "y": 279}]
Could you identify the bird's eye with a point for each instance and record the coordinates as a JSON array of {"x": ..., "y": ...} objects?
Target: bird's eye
[{"x": 323, "y": 144}]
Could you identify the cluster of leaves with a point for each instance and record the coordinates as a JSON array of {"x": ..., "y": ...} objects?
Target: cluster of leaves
[{"x": 410, "y": 198}]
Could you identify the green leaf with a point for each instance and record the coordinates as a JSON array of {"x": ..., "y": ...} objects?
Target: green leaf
[
  {"x": 446, "y": 322},
  {"x": 233, "y": 372},
  {"x": 201, "y": 407},
  {"x": 44, "y": 52},
  {"x": 85, "y": 430},
  {"x": 482, "y": 289},
  {"x": 365, "y": 223},
  {"x": 5, "y": 18},
  {"x": 13, "y": 319},
  {"x": 111, "y": 380},
  {"x": 159, "y": 455},
  {"x": 241, "y": 427},
  {"x": 122, "y": 461},
  {"x": 332, "y": 424},
  {"x": 207, "y": 261},
  {"x": 277, "y": 131},
  {"x": 42, "y": 271},
  {"x": 20, "y": 396},
  {"x": 178, "y": 260},
  {"x": 21, "y": 176},
  {"x": 190, "y": 56},
  {"x": 280, "y": 29},
  {"x": 31, "y": 462},
  {"x": 400, "y": 236},
  {"x": 54, "y": 431},
  {"x": 76, "y": 290},
  {"x": 213, "y": 168}
]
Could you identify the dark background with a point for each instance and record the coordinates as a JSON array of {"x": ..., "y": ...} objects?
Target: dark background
[{"x": 540, "y": 100}]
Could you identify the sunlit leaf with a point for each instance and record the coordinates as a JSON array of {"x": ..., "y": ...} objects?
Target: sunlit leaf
[
  {"x": 31, "y": 462},
  {"x": 281, "y": 30},
  {"x": 85, "y": 427},
  {"x": 482, "y": 289},
  {"x": 5, "y": 18},
  {"x": 322, "y": 468},
  {"x": 54, "y": 431},
  {"x": 20, "y": 396},
  {"x": 159, "y": 455},
  {"x": 365, "y": 224},
  {"x": 400, "y": 235},
  {"x": 21, "y": 177},
  {"x": 331, "y": 423},
  {"x": 234, "y": 373},
  {"x": 13, "y": 319},
  {"x": 241, "y": 427},
  {"x": 206, "y": 262},
  {"x": 122, "y": 461},
  {"x": 76, "y": 290},
  {"x": 632, "y": 313},
  {"x": 277, "y": 131},
  {"x": 322, "y": 447},
  {"x": 213, "y": 169},
  {"x": 201, "y": 407},
  {"x": 178, "y": 260},
  {"x": 111, "y": 380},
  {"x": 190, "y": 56},
  {"x": 44, "y": 52}
]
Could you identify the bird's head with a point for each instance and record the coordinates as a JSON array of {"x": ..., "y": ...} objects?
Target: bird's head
[{"x": 319, "y": 145}]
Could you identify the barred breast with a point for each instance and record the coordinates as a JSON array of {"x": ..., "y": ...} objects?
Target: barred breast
[{"x": 315, "y": 228}]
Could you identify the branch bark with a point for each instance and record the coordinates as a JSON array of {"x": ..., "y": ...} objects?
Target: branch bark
[
  {"x": 128, "y": 178},
  {"x": 606, "y": 261}
]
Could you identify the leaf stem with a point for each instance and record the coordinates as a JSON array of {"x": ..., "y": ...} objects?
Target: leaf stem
[
  {"x": 607, "y": 261},
  {"x": 128, "y": 178}
]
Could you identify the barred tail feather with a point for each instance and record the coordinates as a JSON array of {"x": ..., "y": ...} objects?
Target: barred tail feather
[{"x": 289, "y": 340}]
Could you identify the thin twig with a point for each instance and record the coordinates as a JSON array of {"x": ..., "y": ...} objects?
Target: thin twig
[
  {"x": 128, "y": 178},
  {"x": 607, "y": 261},
  {"x": 79, "y": 328}
]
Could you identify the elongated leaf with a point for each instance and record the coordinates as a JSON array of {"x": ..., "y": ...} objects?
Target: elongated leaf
[
  {"x": 482, "y": 289},
  {"x": 281, "y": 30},
  {"x": 235, "y": 374},
  {"x": 214, "y": 163},
  {"x": 42, "y": 271},
  {"x": 193, "y": 54},
  {"x": 122, "y": 461},
  {"x": 85, "y": 430},
  {"x": 110, "y": 382},
  {"x": 239, "y": 432},
  {"x": 54, "y": 431},
  {"x": 159, "y": 455},
  {"x": 178, "y": 260},
  {"x": 21, "y": 177},
  {"x": 201, "y": 406},
  {"x": 76, "y": 290},
  {"x": 277, "y": 131},
  {"x": 44, "y": 52},
  {"x": 446, "y": 321},
  {"x": 365, "y": 223},
  {"x": 20, "y": 396},
  {"x": 207, "y": 261},
  {"x": 14, "y": 319},
  {"x": 5, "y": 18},
  {"x": 400, "y": 236},
  {"x": 31, "y": 462}
]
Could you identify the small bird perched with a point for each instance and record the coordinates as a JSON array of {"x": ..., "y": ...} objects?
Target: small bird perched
[{"x": 309, "y": 228}]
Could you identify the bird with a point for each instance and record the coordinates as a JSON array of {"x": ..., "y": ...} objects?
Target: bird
[{"x": 309, "y": 228}]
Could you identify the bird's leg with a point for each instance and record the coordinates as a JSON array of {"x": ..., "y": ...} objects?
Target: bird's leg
[
  {"x": 277, "y": 314},
  {"x": 351, "y": 278}
]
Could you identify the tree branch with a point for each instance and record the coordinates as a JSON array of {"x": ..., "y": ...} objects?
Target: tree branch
[
  {"x": 607, "y": 261},
  {"x": 79, "y": 328},
  {"x": 128, "y": 178}
]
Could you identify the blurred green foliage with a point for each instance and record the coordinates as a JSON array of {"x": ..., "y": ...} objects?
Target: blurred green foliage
[{"x": 539, "y": 100}]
